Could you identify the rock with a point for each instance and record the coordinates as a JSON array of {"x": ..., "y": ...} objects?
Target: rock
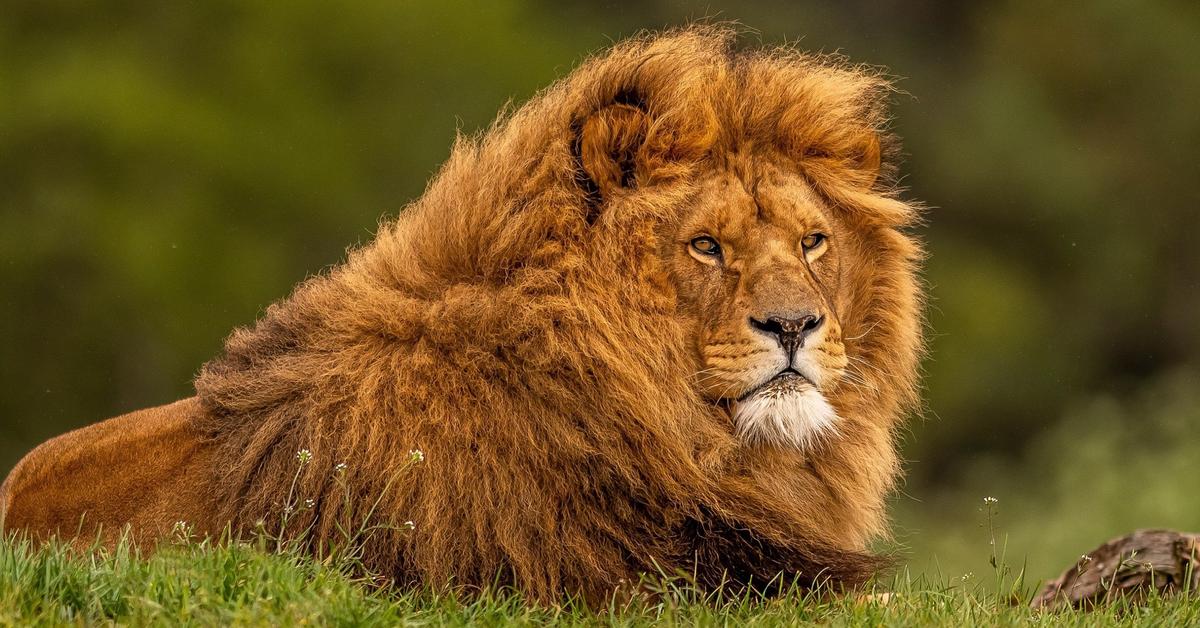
[{"x": 1129, "y": 566}]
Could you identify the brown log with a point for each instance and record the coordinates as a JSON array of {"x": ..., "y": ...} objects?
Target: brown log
[{"x": 1129, "y": 566}]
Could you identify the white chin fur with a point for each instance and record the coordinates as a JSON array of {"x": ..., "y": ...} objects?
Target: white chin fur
[{"x": 799, "y": 418}]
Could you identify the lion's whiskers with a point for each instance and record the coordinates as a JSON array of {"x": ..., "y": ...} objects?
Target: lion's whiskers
[
  {"x": 859, "y": 379},
  {"x": 865, "y": 364},
  {"x": 856, "y": 380},
  {"x": 862, "y": 335}
]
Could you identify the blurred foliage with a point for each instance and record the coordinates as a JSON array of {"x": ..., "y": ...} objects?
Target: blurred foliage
[
  {"x": 1110, "y": 466},
  {"x": 168, "y": 170}
]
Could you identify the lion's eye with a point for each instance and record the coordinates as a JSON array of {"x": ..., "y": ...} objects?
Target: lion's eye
[
  {"x": 705, "y": 245},
  {"x": 812, "y": 241}
]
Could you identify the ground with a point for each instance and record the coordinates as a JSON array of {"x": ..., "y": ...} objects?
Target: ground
[{"x": 193, "y": 583}]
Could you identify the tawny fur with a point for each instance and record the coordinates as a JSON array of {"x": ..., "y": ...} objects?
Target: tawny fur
[{"x": 519, "y": 325}]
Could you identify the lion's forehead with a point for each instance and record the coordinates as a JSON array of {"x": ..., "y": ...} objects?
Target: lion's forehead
[{"x": 759, "y": 211}]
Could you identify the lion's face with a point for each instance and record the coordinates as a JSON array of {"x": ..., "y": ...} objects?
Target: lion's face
[{"x": 757, "y": 261}]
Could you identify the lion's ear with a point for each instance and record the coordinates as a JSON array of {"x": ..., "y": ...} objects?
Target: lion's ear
[
  {"x": 608, "y": 144},
  {"x": 870, "y": 159},
  {"x": 859, "y": 157}
]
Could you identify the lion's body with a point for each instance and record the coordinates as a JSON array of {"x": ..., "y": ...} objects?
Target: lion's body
[{"x": 529, "y": 339}]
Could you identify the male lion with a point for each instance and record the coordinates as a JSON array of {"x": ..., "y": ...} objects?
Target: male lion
[{"x": 662, "y": 318}]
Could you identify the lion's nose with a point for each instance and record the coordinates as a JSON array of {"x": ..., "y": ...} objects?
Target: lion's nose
[{"x": 790, "y": 332}]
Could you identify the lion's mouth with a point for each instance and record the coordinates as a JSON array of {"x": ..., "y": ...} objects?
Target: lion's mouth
[{"x": 786, "y": 381}]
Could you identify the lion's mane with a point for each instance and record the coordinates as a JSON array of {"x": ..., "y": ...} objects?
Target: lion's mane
[{"x": 518, "y": 330}]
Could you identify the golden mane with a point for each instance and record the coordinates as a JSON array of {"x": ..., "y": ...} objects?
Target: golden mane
[{"x": 519, "y": 332}]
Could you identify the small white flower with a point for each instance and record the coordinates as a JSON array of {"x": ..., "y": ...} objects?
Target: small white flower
[
  {"x": 1085, "y": 558},
  {"x": 410, "y": 525},
  {"x": 304, "y": 456},
  {"x": 990, "y": 500},
  {"x": 308, "y": 503},
  {"x": 416, "y": 455},
  {"x": 182, "y": 531},
  {"x": 339, "y": 467}
]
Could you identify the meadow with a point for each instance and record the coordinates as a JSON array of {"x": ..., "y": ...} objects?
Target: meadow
[{"x": 190, "y": 582}]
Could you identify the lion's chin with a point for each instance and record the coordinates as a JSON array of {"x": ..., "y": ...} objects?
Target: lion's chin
[{"x": 787, "y": 411}]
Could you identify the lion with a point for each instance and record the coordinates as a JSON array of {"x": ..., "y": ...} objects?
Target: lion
[{"x": 664, "y": 318}]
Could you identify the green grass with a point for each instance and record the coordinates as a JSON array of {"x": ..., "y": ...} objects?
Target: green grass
[{"x": 204, "y": 584}]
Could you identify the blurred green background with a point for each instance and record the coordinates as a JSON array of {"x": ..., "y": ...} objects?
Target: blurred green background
[{"x": 169, "y": 169}]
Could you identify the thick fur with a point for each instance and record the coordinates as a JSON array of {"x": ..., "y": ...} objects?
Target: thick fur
[{"x": 518, "y": 325}]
